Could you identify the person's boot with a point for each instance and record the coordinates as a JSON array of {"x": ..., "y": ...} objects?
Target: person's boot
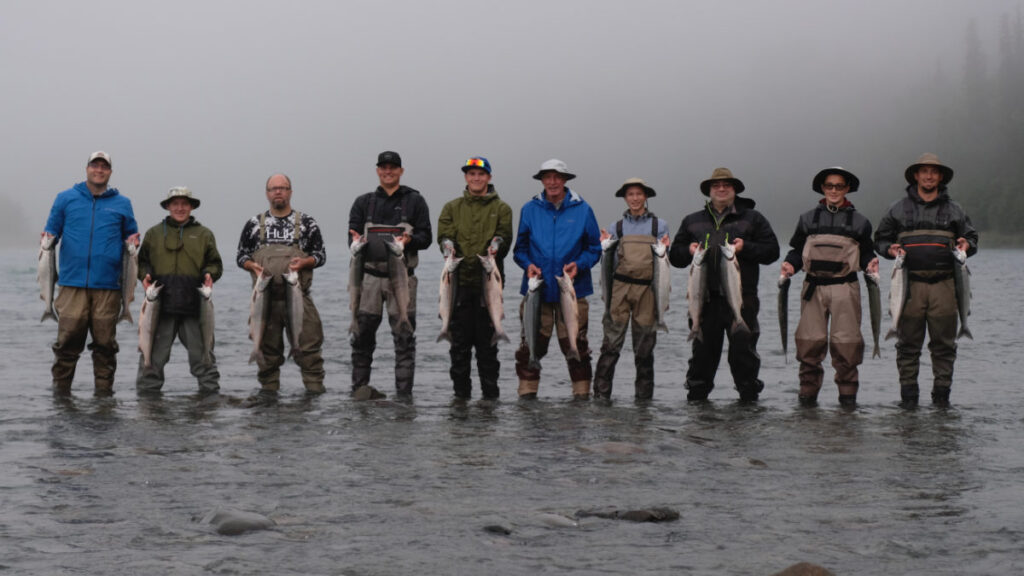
[
  {"x": 908, "y": 396},
  {"x": 848, "y": 400},
  {"x": 807, "y": 401},
  {"x": 528, "y": 389},
  {"x": 581, "y": 390},
  {"x": 940, "y": 396}
]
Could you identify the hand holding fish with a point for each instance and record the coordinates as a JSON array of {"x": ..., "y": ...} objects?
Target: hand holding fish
[
  {"x": 737, "y": 245},
  {"x": 570, "y": 270},
  {"x": 873, "y": 266},
  {"x": 962, "y": 245},
  {"x": 787, "y": 269},
  {"x": 532, "y": 271}
]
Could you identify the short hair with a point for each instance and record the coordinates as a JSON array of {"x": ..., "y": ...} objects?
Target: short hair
[{"x": 285, "y": 176}]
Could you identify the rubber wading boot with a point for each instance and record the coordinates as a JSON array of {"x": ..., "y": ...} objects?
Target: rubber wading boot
[
  {"x": 528, "y": 389},
  {"x": 940, "y": 396},
  {"x": 807, "y": 401},
  {"x": 908, "y": 397},
  {"x": 581, "y": 390},
  {"x": 848, "y": 400}
]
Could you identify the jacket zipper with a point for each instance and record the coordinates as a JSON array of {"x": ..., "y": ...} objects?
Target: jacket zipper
[{"x": 92, "y": 230}]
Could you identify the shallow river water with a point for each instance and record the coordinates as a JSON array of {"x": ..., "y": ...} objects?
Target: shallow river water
[{"x": 120, "y": 485}]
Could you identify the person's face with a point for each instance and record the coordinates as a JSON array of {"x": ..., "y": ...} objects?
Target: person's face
[
  {"x": 928, "y": 177},
  {"x": 180, "y": 209},
  {"x": 477, "y": 180},
  {"x": 834, "y": 188},
  {"x": 279, "y": 192},
  {"x": 389, "y": 175},
  {"x": 554, "y": 185},
  {"x": 97, "y": 173},
  {"x": 635, "y": 199},
  {"x": 722, "y": 193}
]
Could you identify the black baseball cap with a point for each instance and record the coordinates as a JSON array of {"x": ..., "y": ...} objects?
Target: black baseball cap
[{"x": 389, "y": 157}]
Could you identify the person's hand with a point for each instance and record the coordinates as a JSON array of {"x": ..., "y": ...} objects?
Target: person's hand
[
  {"x": 737, "y": 245},
  {"x": 253, "y": 267},
  {"x": 45, "y": 234},
  {"x": 492, "y": 249},
  {"x": 533, "y": 271},
  {"x": 147, "y": 282},
  {"x": 355, "y": 235},
  {"x": 787, "y": 269},
  {"x": 405, "y": 238},
  {"x": 208, "y": 280},
  {"x": 605, "y": 235},
  {"x": 873, "y": 266},
  {"x": 693, "y": 247},
  {"x": 962, "y": 245},
  {"x": 448, "y": 248},
  {"x": 298, "y": 263},
  {"x": 666, "y": 241},
  {"x": 134, "y": 239},
  {"x": 570, "y": 270},
  {"x": 895, "y": 250}
]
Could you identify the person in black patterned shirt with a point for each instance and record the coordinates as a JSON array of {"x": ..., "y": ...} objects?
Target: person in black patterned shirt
[{"x": 276, "y": 242}]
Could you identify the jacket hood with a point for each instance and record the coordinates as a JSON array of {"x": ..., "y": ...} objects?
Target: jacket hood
[
  {"x": 84, "y": 189},
  {"x": 943, "y": 196},
  {"x": 190, "y": 222},
  {"x": 490, "y": 196}
]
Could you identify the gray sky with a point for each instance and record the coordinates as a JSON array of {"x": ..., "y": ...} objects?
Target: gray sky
[{"x": 216, "y": 95}]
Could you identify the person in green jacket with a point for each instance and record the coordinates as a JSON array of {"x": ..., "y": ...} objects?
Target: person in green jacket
[
  {"x": 477, "y": 225},
  {"x": 181, "y": 255}
]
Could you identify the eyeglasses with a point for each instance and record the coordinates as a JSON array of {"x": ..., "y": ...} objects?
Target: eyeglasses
[
  {"x": 279, "y": 189},
  {"x": 830, "y": 186}
]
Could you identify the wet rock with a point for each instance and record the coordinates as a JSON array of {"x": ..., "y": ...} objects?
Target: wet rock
[
  {"x": 657, "y": 514},
  {"x": 804, "y": 569},
  {"x": 497, "y": 529},
  {"x": 234, "y": 522}
]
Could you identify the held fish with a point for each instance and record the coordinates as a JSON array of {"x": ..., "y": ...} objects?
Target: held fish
[
  {"x": 293, "y": 304},
  {"x": 446, "y": 294},
  {"x": 898, "y": 289},
  {"x": 206, "y": 322},
  {"x": 874, "y": 282},
  {"x": 47, "y": 275},
  {"x": 531, "y": 317},
  {"x": 258, "y": 306},
  {"x": 355, "y": 282},
  {"x": 783, "y": 310},
  {"x": 662, "y": 284},
  {"x": 129, "y": 278},
  {"x": 607, "y": 271},
  {"x": 570, "y": 313},
  {"x": 149, "y": 315},
  {"x": 493, "y": 297},
  {"x": 696, "y": 292},
  {"x": 733, "y": 287},
  {"x": 962, "y": 281},
  {"x": 398, "y": 274}
]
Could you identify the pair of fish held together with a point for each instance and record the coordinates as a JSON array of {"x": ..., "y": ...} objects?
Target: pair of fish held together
[
  {"x": 492, "y": 294},
  {"x": 532, "y": 309},
  {"x": 661, "y": 282},
  {"x": 697, "y": 287},
  {"x": 259, "y": 306}
]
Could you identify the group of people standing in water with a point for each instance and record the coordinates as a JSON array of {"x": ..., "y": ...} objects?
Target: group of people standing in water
[{"x": 557, "y": 245}]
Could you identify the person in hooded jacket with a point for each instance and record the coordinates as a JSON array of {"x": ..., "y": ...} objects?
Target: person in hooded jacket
[
  {"x": 478, "y": 223},
  {"x": 924, "y": 227},
  {"x": 558, "y": 236},
  {"x": 831, "y": 244},
  {"x": 726, "y": 218}
]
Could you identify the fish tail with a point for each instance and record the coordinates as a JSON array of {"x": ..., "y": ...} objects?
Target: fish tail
[
  {"x": 964, "y": 331},
  {"x": 740, "y": 327},
  {"x": 48, "y": 314},
  {"x": 126, "y": 315}
]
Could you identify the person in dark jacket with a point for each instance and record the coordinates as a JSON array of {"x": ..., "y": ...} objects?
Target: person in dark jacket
[
  {"x": 477, "y": 223},
  {"x": 392, "y": 211},
  {"x": 181, "y": 255},
  {"x": 831, "y": 244},
  {"x": 726, "y": 217},
  {"x": 924, "y": 227},
  {"x": 92, "y": 222},
  {"x": 558, "y": 236}
]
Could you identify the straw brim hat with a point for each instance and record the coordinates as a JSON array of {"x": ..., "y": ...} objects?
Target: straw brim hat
[{"x": 621, "y": 193}]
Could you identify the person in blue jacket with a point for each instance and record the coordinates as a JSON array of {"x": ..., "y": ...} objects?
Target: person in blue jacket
[
  {"x": 92, "y": 222},
  {"x": 558, "y": 236}
]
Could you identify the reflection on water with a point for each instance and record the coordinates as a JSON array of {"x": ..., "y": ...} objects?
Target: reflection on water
[{"x": 118, "y": 485}]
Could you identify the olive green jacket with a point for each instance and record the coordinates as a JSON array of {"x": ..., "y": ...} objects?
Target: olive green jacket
[
  {"x": 178, "y": 257},
  {"x": 471, "y": 222}
]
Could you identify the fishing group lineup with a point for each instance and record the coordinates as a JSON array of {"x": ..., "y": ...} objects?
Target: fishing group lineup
[{"x": 91, "y": 247}]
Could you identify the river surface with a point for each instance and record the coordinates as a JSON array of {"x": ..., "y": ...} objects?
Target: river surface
[{"x": 119, "y": 485}]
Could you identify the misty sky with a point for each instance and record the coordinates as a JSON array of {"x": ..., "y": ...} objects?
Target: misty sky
[{"x": 217, "y": 95}]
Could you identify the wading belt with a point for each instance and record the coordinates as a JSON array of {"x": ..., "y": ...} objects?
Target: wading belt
[
  {"x": 813, "y": 283},
  {"x": 930, "y": 279},
  {"x": 378, "y": 274},
  {"x": 629, "y": 280}
]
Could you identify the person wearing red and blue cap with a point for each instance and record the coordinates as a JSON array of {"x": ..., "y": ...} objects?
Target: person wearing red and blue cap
[{"x": 477, "y": 223}]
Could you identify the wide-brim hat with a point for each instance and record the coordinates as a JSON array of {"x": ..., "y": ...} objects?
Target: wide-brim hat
[
  {"x": 635, "y": 182},
  {"x": 928, "y": 159},
  {"x": 721, "y": 174},
  {"x": 554, "y": 165},
  {"x": 179, "y": 192},
  {"x": 851, "y": 180}
]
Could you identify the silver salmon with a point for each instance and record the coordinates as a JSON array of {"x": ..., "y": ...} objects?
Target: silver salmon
[
  {"x": 258, "y": 306},
  {"x": 493, "y": 298},
  {"x": 293, "y": 304},
  {"x": 355, "y": 282},
  {"x": 206, "y": 322},
  {"x": 607, "y": 271},
  {"x": 696, "y": 292},
  {"x": 149, "y": 315},
  {"x": 398, "y": 274},
  {"x": 733, "y": 287},
  {"x": 570, "y": 314},
  {"x": 531, "y": 317},
  {"x": 874, "y": 282},
  {"x": 129, "y": 278},
  {"x": 446, "y": 294},
  {"x": 662, "y": 284},
  {"x": 47, "y": 275},
  {"x": 783, "y": 310},
  {"x": 898, "y": 288},
  {"x": 962, "y": 281}
]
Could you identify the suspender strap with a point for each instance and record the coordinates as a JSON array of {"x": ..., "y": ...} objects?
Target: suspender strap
[{"x": 813, "y": 283}]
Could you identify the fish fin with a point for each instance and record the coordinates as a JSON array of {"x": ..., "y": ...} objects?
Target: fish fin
[
  {"x": 572, "y": 355},
  {"x": 126, "y": 315},
  {"x": 964, "y": 331},
  {"x": 876, "y": 353},
  {"x": 740, "y": 327},
  {"x": 443, "y": 336},
  {"x": 663, "y": 326},
  {"x": 890, "y": 334},
  {"x": 499, "y": 336},
  {"x": 48, "y": 314}
]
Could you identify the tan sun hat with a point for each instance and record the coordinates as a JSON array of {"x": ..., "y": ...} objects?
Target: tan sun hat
[
  {"x": 179, "y": 192},
  {"x": 928, "y": 159},
  {"x": 721, "y": 174},
  {"x": 636, "y": 182}
]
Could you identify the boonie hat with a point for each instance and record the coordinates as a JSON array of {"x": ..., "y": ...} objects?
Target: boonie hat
[
  {"x": 179, "y": 192},
  {"x": 928, "y": 159},
  {"x": 389, "y": 157},
  {"x": 100, "y": 155},
  {"x": 477, "y": 162},
  {"x": 819, "y": 179},
  {"x": 636, "y": 182},
  {"x": 554, "y": 165},
  {"x": 721, "y": 174}
]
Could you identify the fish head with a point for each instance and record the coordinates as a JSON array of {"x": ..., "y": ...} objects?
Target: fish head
[
  {"x": 153, "y": 292},
  {"x": 728, "y": 251},
  {"x": 659, "y": 249},
  {"x": 783, "y": 281},
  {"x": 357, "y": 246},
  {"x": 608, "y": 243},
  {"x": 205, "y": 291},
  {"x": 291, "y": 277},
  {"x": 534, "y": 283},
  {"x": 395, "y": 245},
  {"x": 960, "y": 256},
  {"x": 486, "y": 261}
]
